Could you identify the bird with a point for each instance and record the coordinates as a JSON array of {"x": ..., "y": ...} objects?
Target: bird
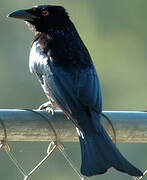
[{"x": 66, "y": 72}]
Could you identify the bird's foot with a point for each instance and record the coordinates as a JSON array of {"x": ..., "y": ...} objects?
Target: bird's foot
[
  {"x": 48, "y": 107},
  {"x": 45, "y": 105}
]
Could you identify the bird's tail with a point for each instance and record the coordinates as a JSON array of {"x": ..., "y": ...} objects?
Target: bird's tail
[{"x": 99, "y": 153}]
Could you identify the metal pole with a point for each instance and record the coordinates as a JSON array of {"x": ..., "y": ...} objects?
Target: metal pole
[{"x": 23, "y": 125}]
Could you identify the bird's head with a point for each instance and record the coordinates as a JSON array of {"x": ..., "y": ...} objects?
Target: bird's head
[{"x": 42, "y": 17}]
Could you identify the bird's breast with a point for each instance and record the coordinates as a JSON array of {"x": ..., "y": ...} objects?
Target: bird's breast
[{"x": 38, "y": 60}]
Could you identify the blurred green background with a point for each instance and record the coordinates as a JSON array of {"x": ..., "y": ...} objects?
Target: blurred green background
[{"x": 115, "y": 33}]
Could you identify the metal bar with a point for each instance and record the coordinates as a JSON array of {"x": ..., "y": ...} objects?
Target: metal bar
[{"x": 23, "y": 125}]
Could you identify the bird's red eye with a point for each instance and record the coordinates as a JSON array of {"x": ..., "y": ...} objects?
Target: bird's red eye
[{"x": 45, "y": 13}]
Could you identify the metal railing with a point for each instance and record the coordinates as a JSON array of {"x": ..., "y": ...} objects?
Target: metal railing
[
  {"x": 26, "y": 125},
  {"x": 35, "y": 125}
]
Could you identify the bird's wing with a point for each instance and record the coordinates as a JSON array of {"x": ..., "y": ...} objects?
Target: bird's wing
[
  {"x": 58, "y": 89},
  {"x": 89, "y": 90},
  {"x": 75, "y": 91}
]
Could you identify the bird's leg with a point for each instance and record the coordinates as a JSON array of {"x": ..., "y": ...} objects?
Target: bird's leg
[{"x": 48, "y": 107}]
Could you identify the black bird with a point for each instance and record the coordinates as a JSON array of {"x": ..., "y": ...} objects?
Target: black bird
[{"x": 68, "y": 77}]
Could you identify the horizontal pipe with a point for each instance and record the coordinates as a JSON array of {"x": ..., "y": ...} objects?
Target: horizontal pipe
[{"x": 25, "y": 125}]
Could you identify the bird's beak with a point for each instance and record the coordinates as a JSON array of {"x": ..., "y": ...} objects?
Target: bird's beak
[{"x": 23, "y": 14}]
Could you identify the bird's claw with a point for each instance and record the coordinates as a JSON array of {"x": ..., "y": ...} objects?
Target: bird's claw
[
  {"x": 50, "y": 110},
  {"x": 47, "y": 107}
]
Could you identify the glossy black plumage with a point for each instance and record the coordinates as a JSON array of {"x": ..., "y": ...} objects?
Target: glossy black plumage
[{"x": 66, "y": 72}]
